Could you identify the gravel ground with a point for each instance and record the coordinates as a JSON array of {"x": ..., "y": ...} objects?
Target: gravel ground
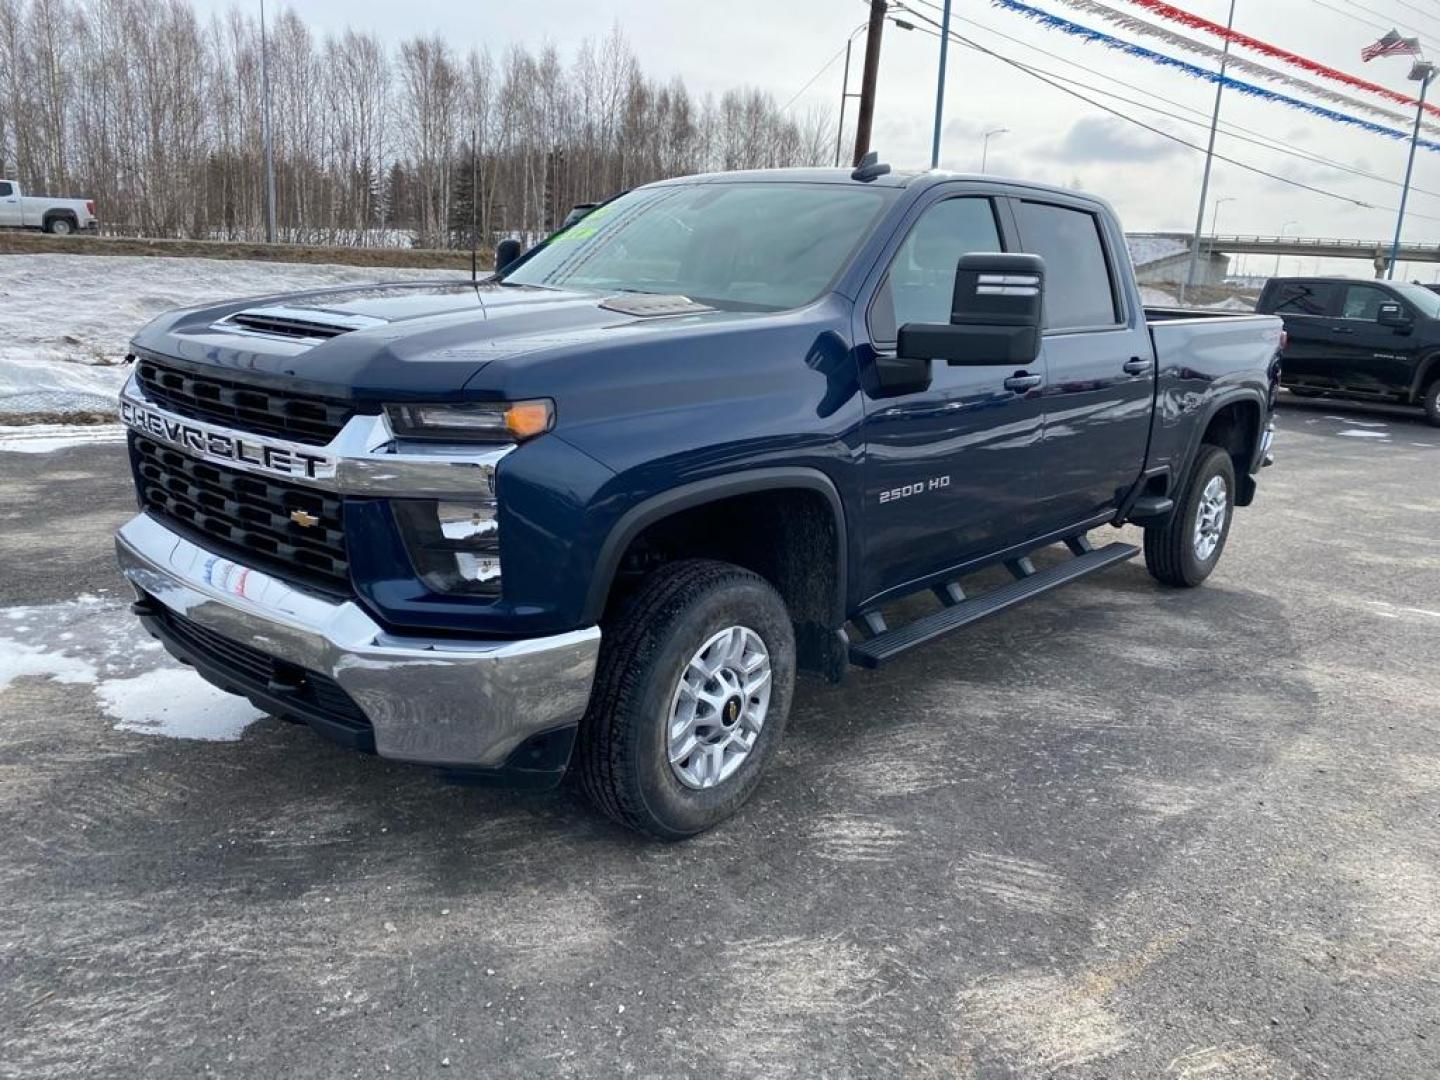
[{"x": 1120, "y": 832}]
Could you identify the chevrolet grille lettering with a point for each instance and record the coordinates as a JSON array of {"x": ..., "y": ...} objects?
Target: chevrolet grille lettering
[{"x": 255, "y": 454}]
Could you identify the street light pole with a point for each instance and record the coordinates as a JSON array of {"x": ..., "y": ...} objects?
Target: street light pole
[
  {"x": 845, "y": 94},
  {"x": 940, "y": 86},
  {"x": 1209, "y": 159},
  {"x": 985, "y": 145},
  {"x": 1215, "y": 214},
  {"x": 1424, "y": 73}
]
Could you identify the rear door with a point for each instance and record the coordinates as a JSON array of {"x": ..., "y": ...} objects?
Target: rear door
[
  {"x": 1099, "y": 363},
  {"x": 9, "y": 204},
  {"x": 1308, "y": 309},
  {"x": 950, "y": 470},
  {"x": 1368, "y": 357}
]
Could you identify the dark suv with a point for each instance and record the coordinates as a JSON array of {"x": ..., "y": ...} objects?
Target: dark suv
[{"x": 1369, "y": 340}]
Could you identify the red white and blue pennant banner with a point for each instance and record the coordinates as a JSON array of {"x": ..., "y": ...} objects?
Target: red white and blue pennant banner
[
  {"x": 1086, "y": 33},
  {"x": 1243, "y": 64},
  {"x": 1245, "y": 41}
]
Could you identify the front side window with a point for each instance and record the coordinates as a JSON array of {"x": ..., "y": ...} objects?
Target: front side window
[
  {"x": 1078, "y": 290},
  {"x": 758, "y": 246},
  {"x": 6, "y": 190},
  {"x": 920, "y": 285},
  {"x": 1363, "y": 302}
]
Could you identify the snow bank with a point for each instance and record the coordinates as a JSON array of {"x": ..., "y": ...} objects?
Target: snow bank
[
  {"x": 43, "y": 438},
  {"x": 1148, "y": 249},
  {"x": 96, "y": 641},
  {"x": 65, "y": 320}
]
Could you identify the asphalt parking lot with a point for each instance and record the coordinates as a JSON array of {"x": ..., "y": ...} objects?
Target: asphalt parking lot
[{"x": 1120, "y": 832}]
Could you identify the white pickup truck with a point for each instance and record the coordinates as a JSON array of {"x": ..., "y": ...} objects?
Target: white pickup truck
[{"x": 59, "y": 216}]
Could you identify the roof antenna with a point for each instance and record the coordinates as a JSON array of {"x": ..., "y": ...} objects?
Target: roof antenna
[{"x": 870, "y": 167}]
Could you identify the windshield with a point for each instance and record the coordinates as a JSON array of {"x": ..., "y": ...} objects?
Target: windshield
[
  {"x": 1420, "y": 298},
  {"x": 765, "y": 246}
]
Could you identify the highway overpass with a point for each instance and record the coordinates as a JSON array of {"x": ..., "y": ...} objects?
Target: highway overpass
[{"x": 1376, "y": 252}]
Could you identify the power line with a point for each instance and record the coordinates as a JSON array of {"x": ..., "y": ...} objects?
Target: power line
[
  {"x": 1048, "y": 80},
  {"x": 811, "y": 81},
  {"x": 1394, "y": 22},
  {"x": 1227, "y": 128}
]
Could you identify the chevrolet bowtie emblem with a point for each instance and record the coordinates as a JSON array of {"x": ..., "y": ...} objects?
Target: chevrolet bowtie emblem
[{"x": 304, "y": 519}]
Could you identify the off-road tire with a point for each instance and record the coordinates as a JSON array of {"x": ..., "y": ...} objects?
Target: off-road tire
[
  {"x": 60, "y": 226},
  {"x": 1170, "y": 553},
  {"x": 621, "y": 756},
  {"x": 1431, "y": 400}
]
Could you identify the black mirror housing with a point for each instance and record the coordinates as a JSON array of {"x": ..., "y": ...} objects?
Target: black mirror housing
[
  {"x": 996, "y": 314},
  {"x": 1391, "y": 313},
  {"x": 506, "y": 252}
]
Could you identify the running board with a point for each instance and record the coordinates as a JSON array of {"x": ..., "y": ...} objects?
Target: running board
[{"x": 886, "y": 646}]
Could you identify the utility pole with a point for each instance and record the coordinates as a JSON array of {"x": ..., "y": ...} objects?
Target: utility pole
[
  {"x": 1424, "y": 72},
  {"x": 940, "y": 86},
  {"x": 845, "y": 94},
  {"x": 1209, "y": 160},
  {"x": 868, "y": 77},
  {"x": 265, "y": 133}
]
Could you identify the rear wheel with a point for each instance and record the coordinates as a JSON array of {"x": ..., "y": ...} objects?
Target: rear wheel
[
  {"x": 691, "y": 696},
  {"x": 1183, "y": 549},
  {"x": 1431, "y": 400},
  {"x": 60, "y": 226}
]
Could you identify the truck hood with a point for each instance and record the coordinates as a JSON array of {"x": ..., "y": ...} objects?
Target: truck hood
[{"x": 415, "y": 340}]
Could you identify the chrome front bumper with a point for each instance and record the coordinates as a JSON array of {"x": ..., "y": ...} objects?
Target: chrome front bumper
[{"x": 435, "y": 701}]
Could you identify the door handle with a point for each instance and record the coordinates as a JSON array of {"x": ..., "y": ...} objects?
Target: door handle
[
  {"x": 1138, "y": 365},
  {"x": 1022, "y": 381},
  {"x": 1343, "y": 329}
]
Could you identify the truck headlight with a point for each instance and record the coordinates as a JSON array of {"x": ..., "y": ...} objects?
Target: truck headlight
[
  {"x": 455, "y": 546},
  {"x": 473, "y": 421}
]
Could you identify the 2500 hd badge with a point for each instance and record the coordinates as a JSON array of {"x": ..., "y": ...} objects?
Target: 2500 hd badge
[{"x": 219, "y": 445}]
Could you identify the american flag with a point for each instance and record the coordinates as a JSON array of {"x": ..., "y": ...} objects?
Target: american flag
[{"x": 1391, "y": 44}]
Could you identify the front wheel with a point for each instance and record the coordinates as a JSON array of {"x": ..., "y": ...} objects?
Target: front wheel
[
  {"x": 1184, "y": 548},
  {"x": 691, "y": 696},
  {"x": 1431, "y": 400}
]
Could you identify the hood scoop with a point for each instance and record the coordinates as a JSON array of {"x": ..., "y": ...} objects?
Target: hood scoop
[
  {"x": 649, "y": 305},
  {"x": 303, "y": 325}
]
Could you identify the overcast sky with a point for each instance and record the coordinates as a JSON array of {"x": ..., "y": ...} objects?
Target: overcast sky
[{"x": 780, "y": 44}]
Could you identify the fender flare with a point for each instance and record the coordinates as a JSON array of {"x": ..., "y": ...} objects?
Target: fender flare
[
  {"x": 688, "y": 496},
  {"x": 1208, "y": 413},
  {"x": 1427, "y": 364}
]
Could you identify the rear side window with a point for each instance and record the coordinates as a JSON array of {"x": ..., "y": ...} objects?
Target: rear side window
[
  {"x": 1079, "y": 291},
  {"x": 1297, "y": 298}
]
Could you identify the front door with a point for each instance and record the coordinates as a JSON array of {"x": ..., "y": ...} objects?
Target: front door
[
  {"x": 1099, "y": 365},
  {"x": 949, "y": 471},
  {"x": 1368, "y": 357}
]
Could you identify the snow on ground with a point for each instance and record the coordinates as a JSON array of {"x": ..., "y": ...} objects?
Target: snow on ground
[
  {"x": 65, "y": 320},
  {"x": 1154, "y": 297},
  {"x": 97, "y": 641},
  {"x": 43, "y": 438}
]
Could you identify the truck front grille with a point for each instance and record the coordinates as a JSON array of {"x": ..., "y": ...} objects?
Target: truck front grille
[
  {"x": 262, "y": 522},
  {"x": 301, "y": 418}
]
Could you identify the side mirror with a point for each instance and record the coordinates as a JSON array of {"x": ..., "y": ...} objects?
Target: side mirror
[
  {"x": 995, "y": 314},
  {"x": 1392, "y": 314},
  {"x": 506, "y": 252}
]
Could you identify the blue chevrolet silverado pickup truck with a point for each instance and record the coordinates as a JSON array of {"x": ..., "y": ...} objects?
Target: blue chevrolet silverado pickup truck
[{"x": 591, "y": 515}]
